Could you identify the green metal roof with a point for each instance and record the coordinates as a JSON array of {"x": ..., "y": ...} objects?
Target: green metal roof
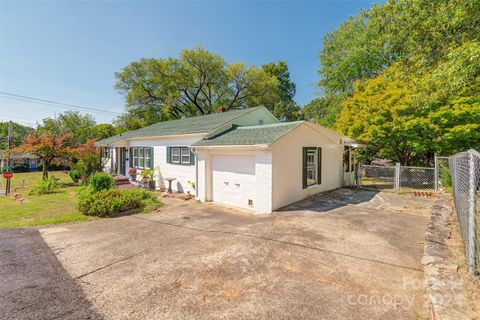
[
  {"x": 200, "y": 124},
  {"x": 250, "y": 135}
]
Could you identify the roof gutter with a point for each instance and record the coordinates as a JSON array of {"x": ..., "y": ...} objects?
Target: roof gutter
[{"x": 234, "y": 146}]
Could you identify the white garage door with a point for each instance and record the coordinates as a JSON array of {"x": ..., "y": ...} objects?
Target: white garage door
[{"x": 234, "y": 180}]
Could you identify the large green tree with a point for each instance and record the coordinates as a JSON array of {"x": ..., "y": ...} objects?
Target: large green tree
[
  {"x": 104, "y": 130},
  {"x": 420, "y": 31},
  {"x": 198, "y": 82},
  {"x": 286, "y": 109},
  {"x": 383, "y": 113},
  {"x": 18, "y": 131},
  {"x": 80, "y": 128},
  {"x": 416, "y": 56}
]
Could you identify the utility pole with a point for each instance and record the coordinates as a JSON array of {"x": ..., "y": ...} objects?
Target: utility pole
[{"x": 9, "y": 142}]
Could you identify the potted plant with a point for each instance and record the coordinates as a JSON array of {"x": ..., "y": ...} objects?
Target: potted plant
[
  {"x": 192, "y": 183},
  {"x": 133, "y": 173},
  {"x": 147, "y": 178}
]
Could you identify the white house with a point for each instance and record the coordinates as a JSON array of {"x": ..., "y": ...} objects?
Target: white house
[{"x": 243, "y": 158}]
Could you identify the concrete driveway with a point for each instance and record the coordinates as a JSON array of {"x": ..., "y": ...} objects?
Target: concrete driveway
[{"x": 340, "y": 255}]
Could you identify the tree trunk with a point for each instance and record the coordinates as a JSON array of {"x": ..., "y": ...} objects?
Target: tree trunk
[{"x": 45, "y": 169}]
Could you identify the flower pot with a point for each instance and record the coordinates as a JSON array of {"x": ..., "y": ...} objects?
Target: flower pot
[{"x": 151, "y": 185}]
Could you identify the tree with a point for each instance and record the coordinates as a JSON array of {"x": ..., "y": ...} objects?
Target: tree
[
  {"x": 86, "y": 159},
  {"x": 456, "y": 124},
  {"x": 196, "y": 83},
  {"x": 323, "y": 111},
  {"x": 48, "y": 146},
  {"x": 19, "y": 132},
  {"x": 416, "y": 58},
  {"x": 104, "y": 130},
  {"x": 418, "y": 31},
  {"x": 382, "y": 113},
  {"x": 79, "y": 127},
  {"x": 286, "y": 109}
]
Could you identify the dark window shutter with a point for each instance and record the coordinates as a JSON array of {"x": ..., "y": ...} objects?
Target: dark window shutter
[
  {"x": 169, "y": 154},
  {"x": 319, "y": 166},
  {"x": 192, "y": 158},
  {"x": 151, "y": 158},
  {"x": 304, "y": 168},
  {"x": 130, "y": 157}
]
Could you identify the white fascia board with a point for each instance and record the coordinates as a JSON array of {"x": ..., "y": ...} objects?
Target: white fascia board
[
  {"x": 172, "y": 136},
  {"x": 234, "y": 147}
]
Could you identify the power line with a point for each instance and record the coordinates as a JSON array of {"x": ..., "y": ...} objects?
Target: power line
[
  {"x": 18, "y": 120},
  {"x": 53, "y": 103}
]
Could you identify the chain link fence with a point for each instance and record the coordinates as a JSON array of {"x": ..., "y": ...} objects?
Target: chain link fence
[
  {"x": 417, "y": 178},
  {"x": 459, "y": 174},
  {"x": 397, "y": 179},
  {"x": 465, "y": 185},
  {"x": 376, "y": 177}
]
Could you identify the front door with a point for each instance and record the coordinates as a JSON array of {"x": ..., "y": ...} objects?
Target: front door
[{"x": 123, "y": 161}]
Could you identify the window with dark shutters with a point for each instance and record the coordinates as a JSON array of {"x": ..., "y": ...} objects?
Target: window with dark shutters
[
  {"x": 319, "y": 165},
  {"x": 180, "y": 155},
  {"x": 141, "y": 157}
]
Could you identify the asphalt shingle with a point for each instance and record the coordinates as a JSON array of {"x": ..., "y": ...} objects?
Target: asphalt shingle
[
  {"x": 200, "y": 124},
  {"x": 250, "y": 135}
]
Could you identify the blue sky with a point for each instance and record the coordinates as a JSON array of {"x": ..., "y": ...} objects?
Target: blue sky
[{"x": 69, "y": 51}]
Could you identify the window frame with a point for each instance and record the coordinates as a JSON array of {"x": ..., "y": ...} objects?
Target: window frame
[
  {"x": 312, "y": 160},
  {"x": 139, "y": 158},
  {"x": 312, "y": 166},
  {"x": 183, "y": 155},
  {"x": 179, "y": 155}
]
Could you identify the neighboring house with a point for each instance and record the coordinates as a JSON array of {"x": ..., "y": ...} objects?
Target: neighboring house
[
  {"x": 243, "y": 158},
  {"x": 31, "y": 160}
]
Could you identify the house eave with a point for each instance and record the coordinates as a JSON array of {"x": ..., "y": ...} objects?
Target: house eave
[{"x": 234, "y": 147}]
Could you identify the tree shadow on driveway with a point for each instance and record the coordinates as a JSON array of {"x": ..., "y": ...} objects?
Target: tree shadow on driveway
[{"x": 34, "y": 284}]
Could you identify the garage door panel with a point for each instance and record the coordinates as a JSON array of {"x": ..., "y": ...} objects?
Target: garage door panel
[{"x": 233, "y": 179}]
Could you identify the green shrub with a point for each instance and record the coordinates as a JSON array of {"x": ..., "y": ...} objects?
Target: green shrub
[
  {"x": 44, "y": 186},
  {"x": 100, "y": 181},
  {"x": 21, "y": 167},
  {"x": 75, "y": 175},
  {"x": 107, "y": 202}
]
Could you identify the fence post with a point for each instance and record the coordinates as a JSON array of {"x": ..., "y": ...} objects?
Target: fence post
[
  {"x": 435, "y": 174},
  {"x": 471, "y": 212},
  {"x": 397, "y": 178},
  {"x": 359, "y": 176}
]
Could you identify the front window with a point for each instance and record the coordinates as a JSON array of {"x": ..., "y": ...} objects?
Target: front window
[
  {"x": 179, "y": 155},
  {"x": 175, "y": 155},
  {"x": 141, "y": 157},
  {"x": 135, "y": 157},
  {"x": 185, "y": 155},
  {"x": 311, "y": 167},
  {"x": 146, "y": 158},
  {"x": 106, "y": 153}
]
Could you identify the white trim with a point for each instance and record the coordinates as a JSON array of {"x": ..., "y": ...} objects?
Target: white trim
[{"x": 235, "y": 146}]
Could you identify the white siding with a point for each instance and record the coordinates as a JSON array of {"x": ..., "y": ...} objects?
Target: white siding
[
  {"x": 287, "y": 165},
  {"x": 182, "y": 173},
  {"x": 201, "y": 170},
  {"x": 256, "y": 117}
]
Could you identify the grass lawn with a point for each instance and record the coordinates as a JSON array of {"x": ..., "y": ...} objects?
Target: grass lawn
[{"x": 52, "y": 208}]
